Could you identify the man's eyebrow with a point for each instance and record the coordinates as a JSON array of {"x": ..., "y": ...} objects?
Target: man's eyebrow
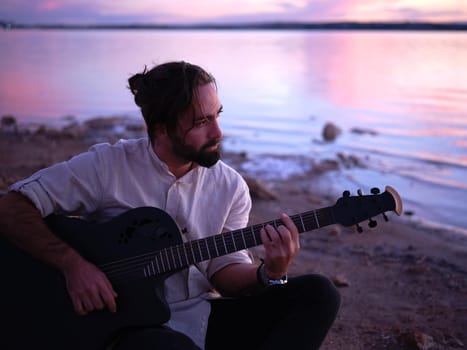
[{"x": 221, "y": 108}]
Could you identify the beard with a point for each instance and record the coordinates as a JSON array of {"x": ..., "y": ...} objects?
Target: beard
[{"x": 201, "y": 157}]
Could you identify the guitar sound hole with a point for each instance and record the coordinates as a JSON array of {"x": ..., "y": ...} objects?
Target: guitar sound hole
[{"x": 136, "y": 224}]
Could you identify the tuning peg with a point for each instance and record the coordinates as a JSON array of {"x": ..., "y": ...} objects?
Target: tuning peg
[
  {"x": 359, "y": 228},
  {"x": 372, "y": 223},
  {"x": 385, "y": 217},
  {"x": 375, "y": 190},
  {"x": 346, "y": 194},
  {"x": 360, "y": 192}
]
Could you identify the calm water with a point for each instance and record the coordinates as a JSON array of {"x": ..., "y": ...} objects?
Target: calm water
[{"x": 279, "y": 88}]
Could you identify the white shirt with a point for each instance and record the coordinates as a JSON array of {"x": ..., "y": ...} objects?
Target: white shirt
[{"x": 110, "y": 179}]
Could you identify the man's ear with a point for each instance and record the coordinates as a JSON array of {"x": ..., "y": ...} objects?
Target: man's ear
[{"x": 160, "y": 130}]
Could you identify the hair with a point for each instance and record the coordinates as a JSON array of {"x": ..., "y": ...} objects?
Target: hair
[{"x": 166, "y": 92}]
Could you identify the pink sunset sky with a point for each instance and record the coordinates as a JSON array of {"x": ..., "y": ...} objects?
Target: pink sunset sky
[{"x": 178, "y": 11}]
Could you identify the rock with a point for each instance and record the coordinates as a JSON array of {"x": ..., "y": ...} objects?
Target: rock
[
  {"x": 8, "y": 125},
  {"x": 325, "y": 166},
  {"x": 362, "y": 131},
  {"x": 340, "y": 281},
  {"x": 416, "y": 340},
  {"x": 419, "y": 269},
  {"x": 331, "y": 131},
  {"x": 334, "y": 231},
  {"x": 74, "y": 131},
  {"x": 350, "y": 161}
]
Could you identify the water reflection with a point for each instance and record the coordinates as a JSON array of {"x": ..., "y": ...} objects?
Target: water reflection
[{"x": 278, "y": 90}]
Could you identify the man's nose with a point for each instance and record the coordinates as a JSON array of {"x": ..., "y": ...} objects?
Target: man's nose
[{"x": 215, "y": 131}]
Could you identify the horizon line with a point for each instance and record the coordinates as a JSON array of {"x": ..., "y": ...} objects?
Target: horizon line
[{"x": 387, "y": 25}]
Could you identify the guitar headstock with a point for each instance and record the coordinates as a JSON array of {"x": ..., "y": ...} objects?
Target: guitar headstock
[{"x": 351, "y": 210}]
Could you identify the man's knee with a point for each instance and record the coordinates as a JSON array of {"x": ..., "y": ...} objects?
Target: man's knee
[{"x": 319, "y": 290}]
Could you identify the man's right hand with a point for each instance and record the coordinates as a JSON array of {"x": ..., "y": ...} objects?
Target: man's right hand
[
  {"x": 88, "y": 287},
  {"x": 22, "y": 223}
]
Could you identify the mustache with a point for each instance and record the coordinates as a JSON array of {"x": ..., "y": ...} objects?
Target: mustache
[{"x": 211, "y": 143}]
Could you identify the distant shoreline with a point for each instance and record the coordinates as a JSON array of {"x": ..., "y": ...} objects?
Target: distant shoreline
[{"x": 401, "y": 26}]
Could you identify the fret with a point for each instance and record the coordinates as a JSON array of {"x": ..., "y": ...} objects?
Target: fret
[
  {"x": 247, "y": 237},
  {"x": 218, "y": 240},
  {"x": 254, "y": 235},
  {"x": 165, "y": 260},
  {"x": 233, "y": 242},
  {"x": 215, "y": 245},
  {"x": 223, "y": 241},
  {"x": 159, "y": 270},
  {"x": 187, "y": 262},
  {"x": 228, "y": 242},
  {"x": 192, "y": 252},
  {"x": 303, "y": 224},
  {"x": 177, "y": 249},
  {"x": 197, "y": 256},
  {"x": 243, "y": 238},
  {"x": 200, "y": 250},
  {"x": 173, "y": 254},
  {"x": 169, "y": 264},
  {"x": 211, "y": 246},
  {"x": 316, "y": 219},
  {"x": 207, "y": 249},
  {"x": 152, "y": 268},
  {"x": 167, "y": 257},
  {"x": 272, "y": 223},
  {"x": 162, "y": 261},
  {"x": 172, "y": 262}
]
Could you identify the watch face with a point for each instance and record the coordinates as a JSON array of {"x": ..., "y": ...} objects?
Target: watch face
[{"x": 283, "y": 280}]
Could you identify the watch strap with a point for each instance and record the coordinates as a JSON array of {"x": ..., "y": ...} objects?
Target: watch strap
[{"x": 265, "y": 280}]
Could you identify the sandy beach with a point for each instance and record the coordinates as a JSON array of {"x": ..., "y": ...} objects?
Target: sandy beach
[{"x": 403, "y": 285}]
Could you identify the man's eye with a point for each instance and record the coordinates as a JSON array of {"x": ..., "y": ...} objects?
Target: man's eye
[{"x": 201, "y": 122}]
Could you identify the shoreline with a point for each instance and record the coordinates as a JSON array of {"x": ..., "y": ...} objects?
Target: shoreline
[
  {"x": 78, "y": 135},
  {"x": 336, "y": 168}
]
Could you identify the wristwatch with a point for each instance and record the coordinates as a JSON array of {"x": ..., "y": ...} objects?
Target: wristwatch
[{"x": 265, "y": 280}]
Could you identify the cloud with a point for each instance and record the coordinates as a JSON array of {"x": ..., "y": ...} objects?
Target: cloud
[
  {"x": 67, "y": 11},
  {"x": 169, "y": 11}
]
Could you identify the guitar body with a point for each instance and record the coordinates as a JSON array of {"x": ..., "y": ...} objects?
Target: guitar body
[{"x": 35, "y": 308}]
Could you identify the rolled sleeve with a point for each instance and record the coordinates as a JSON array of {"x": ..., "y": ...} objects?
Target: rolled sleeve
[{"x": 67, "y": 187}]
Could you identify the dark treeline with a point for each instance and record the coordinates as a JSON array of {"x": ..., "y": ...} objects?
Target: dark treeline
[{"x": 251, "y": 26}]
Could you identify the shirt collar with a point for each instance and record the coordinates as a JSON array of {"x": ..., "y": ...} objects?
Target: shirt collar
[{"x": 189, "y": 177}]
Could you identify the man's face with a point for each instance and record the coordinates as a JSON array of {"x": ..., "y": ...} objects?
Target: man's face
[{"x": 198, "y": 134}]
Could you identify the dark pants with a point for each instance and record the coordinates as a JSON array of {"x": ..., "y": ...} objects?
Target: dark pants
[{"x": 294, "y": 316}]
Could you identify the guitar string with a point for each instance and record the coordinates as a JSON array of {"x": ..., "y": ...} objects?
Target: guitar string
[
  {"x": 137, "y": 264},
  {"x": 144, "y": 261},
  {"x": 238, "y": 232}
]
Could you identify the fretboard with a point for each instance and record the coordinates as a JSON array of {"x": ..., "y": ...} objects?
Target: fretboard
[{"x": 183, "y": 255}]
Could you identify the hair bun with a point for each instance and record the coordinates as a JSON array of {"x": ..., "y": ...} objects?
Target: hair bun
[{"x": 138, "y": 88}]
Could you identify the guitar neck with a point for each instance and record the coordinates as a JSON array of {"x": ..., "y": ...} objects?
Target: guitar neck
[{"x": 182, "y": 255}]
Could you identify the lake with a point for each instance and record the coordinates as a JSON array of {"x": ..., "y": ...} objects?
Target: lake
[{"x": 400, "y": 97}]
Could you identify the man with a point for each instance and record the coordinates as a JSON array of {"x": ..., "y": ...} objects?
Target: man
[{"x": 177, "y": 169}]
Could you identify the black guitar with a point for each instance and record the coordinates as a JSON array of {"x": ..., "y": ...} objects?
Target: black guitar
[{"x": 137, "y": 250}]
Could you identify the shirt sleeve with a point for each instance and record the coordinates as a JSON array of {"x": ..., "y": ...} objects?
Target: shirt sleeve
[{"x": 71, "y": 187}]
